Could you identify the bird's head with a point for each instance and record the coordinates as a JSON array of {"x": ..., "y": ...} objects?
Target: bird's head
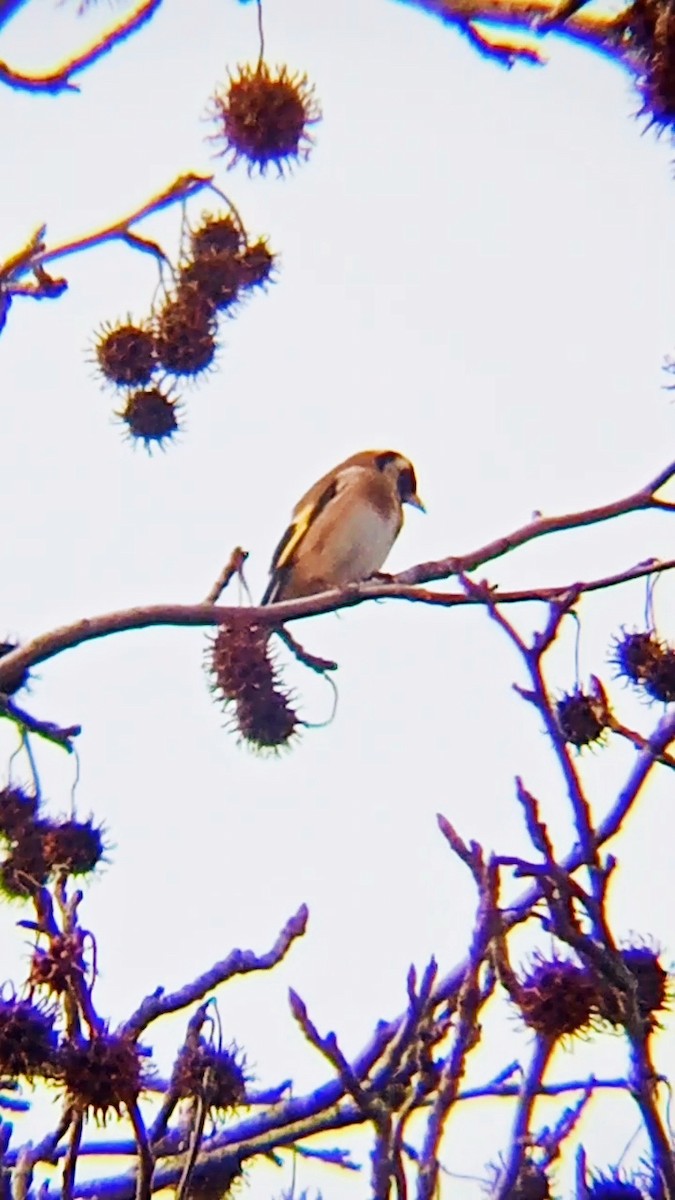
[{"x": 401, "y": 472}]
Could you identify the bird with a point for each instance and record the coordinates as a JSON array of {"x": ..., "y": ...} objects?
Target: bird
[{"x": 344, "y": 527}]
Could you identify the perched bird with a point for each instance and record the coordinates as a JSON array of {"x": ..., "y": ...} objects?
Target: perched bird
[{"x": 345, "y": 525}]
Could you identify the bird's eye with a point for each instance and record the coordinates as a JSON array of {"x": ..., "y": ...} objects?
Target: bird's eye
[{"x": 407, "y": 484}]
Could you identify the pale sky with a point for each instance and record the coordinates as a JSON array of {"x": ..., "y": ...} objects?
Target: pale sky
[{"x": 476, "y": 269}]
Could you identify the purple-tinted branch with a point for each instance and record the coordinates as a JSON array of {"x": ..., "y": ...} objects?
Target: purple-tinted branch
[
  {"x": 328, "y": 1046},
  {"x": 643, "y": 1080},
  {"x": 520, "y": 1135},
  {"x": 145, "y": 1158},
  {"x": 466, "y": 1015},
  {"x": 333, "y": 1158},
  {"x": 238, "y": 962},
  {"x": 44, "y": 729},
  {"x": 70, "y": 1161},
  {"x": 60, "y": 79},
  {"x": 196, "y": 1135},
  {"x": 551, "y": 1141}
]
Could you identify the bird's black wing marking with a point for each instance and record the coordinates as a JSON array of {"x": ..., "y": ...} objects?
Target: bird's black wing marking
[{"x": 283, "y": 556}]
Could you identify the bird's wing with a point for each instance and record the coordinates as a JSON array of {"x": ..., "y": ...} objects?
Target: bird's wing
[{"x": 305, "y": 513}]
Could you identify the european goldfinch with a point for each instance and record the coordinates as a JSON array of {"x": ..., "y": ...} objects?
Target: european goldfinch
[{"x": 345, "y": 525}]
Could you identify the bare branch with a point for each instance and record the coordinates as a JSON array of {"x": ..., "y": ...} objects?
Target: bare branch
[
  {"x": 60, "y": 80},
  {"x": 238, "y": 962}
]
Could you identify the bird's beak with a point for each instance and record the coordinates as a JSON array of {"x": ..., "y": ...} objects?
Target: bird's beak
[{"x": 416, "y": 502}]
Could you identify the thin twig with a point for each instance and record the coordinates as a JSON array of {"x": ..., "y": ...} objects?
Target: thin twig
[{"x": 233, "y": 566}]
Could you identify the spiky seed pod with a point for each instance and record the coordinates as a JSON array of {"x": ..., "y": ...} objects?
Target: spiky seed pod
[
  {"x": 101, "y": 1075},
  {"x": 531, "y": 1184},
  {"x": 582, "y": 716},
  {"x": 264, "y": 117},
  {"x": 652, "y": 37},
  {"x": 636, "y": 655},
  {"x": 214, "y": 1075},
  {"x": 216, "y": 235},
  {"x": 244, "y": 678},
  {"x": 60, "y": 965},
  {"x": 150, "y": 416},
  {"x": 126, "y": 354},
  {"x": 25, "y": 869},
  {"x": 661, "y": 682},
  {"x": 652, "y": 987},
  {"x": 28, "y": 1042},
  {"x": 185, "y": 334},
  {"x": 214, "y": 277},
  {"x": 612, "y": 1187},
  {"x": 256, "y": 264},
  {"x": 557, "y": 998},
  {"x": 18, "y": 811},
  {"x": 18, "y": 679},
  {"x": 73, "y": 847}
]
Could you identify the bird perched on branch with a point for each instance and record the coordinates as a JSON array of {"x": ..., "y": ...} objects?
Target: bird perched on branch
[{"x": 345, "y": 525}]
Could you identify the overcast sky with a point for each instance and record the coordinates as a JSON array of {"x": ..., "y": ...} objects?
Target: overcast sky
[{"x": 476, "y": 269}]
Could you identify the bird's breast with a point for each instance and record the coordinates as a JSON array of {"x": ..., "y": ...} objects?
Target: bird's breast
[{"x": 356, "y": 546}]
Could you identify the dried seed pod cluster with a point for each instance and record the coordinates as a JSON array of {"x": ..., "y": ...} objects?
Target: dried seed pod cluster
[
  {"x": 148, "y": 360},
  {"x": 37, "y": 849},
  {"x": 559, "y": 998},
  {"x": 245, "y": 680},
  {"x": 263, "y": 117}
]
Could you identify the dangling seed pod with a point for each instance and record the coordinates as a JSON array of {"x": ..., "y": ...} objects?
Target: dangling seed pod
[
  {"x": 216, "y": 235},
  {"x": 25, "y": 869},
  {"x": 60, "y": 965},
  {"x": 185, "y": 334},
  {"x": 102, "y": 1075},
  {"x": 245, "y": 679},
  {"x": 652, "y": 44},
  {"x": 18, "y": 811},
  {"x": 557, "y": 998},
  {"x": 583, "y": 716},
  {"x": 126, "y": 354},
  {"x": 648, "y": 663},
  {"x": 264, "y": 117},
  {"x": 652, "y": 987},
  {"x": 214, "y": 277},
  {"x": 256, "y": 264},
  {"x": 151, "y": 417},
  {"x": 531, "y": 1184},
  {"x": 27, "y": 1040},
  {"x": 661, "y": 682},
  {"x": 215, "y": 1076},
  {"x": 636, "y": 655},
  {"x": 73, "y": 847}
]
